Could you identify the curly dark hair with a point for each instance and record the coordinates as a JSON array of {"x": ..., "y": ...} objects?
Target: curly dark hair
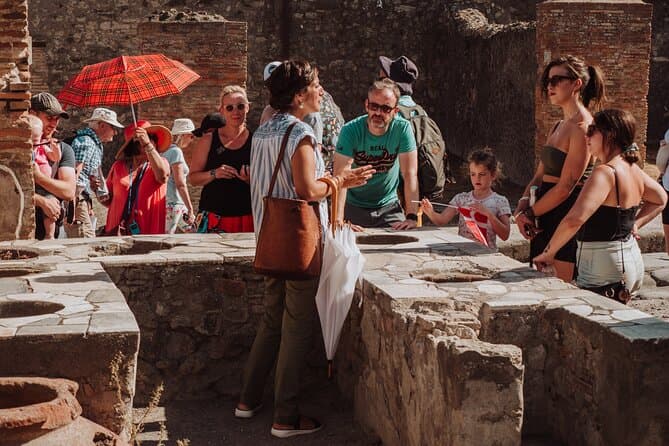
[
  {"x": 287, "y": 80},
  {"x": 486, "y": 157}
]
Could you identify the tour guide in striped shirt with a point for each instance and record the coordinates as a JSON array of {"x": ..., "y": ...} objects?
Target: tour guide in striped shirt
[{"x": 385, "y": 141}]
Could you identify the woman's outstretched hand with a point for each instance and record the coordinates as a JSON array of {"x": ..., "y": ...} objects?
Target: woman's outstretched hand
[{"x": 350, "y": 178}]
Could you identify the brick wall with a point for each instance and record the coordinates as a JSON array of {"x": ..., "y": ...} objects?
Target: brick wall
[
  {"x": 17, "y": 219},
  {"x": 614, "y": 35},
  {"x": 217, "y": 51}
]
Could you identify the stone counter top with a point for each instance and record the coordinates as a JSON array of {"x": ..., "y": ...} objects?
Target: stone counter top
[{"x": 434, "y": 313}]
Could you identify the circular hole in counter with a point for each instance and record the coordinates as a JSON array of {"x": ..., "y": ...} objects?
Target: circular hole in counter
[
  {"x": 17, "y": 254},
  {"x": 25, "y": 308},
  {"x": 385, "y": 239}
]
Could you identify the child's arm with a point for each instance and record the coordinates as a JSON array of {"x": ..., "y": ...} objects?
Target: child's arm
[
  {"x": 437, "y": 218},
  {"x": 53, "y": 152},
  {"x": 501, "y": 225}
]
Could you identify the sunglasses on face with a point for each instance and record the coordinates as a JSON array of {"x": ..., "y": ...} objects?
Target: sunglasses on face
[
  {"x": 385, "y": 109},
  {"x": 239, "y": 106},
  {"x": 553, "y": 81}
]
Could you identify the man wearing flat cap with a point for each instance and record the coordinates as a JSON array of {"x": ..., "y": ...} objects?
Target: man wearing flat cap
[
  {"x": 88, "y": 149},
  {"x": 62, "y": 183}
]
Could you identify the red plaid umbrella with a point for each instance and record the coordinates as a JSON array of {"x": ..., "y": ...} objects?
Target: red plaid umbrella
[{"x": 127, "y": 80}]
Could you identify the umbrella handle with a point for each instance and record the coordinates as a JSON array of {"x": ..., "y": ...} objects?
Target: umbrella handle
[
  {"x": 132, "y": 110},
  {"x": 332, "y": 184}
]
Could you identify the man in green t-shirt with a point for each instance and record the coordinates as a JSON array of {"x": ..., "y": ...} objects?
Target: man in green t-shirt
[{"x": 386, "y": 141}]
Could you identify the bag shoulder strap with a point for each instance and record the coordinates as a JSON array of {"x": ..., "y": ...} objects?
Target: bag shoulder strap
[
  {"x": 282, "y": 151},
  {"x": 134, "y": 188}
]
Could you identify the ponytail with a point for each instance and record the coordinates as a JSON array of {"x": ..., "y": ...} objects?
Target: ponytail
[{"x": 594, "y": 91}]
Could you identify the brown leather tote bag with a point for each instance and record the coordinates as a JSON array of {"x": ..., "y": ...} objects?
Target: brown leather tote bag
[{"x": 289, "y": 243}]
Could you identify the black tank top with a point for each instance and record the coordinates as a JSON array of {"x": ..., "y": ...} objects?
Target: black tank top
[
  {"x": 609, "y": 223},
  {"x": 229, "y": 198}
]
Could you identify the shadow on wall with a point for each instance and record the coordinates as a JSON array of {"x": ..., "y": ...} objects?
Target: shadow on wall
[{"x": 490, "y": 96}]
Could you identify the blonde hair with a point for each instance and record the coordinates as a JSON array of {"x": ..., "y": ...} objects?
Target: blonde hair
[
  {"x": 35, "y": 124},
  {"x": 230, "y": 89}
]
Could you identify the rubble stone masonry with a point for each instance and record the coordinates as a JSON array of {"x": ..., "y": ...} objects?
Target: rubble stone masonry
[{"x": 478, "y": 82}]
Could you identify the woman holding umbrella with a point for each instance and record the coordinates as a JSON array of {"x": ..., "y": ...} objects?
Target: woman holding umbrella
[
  {"x": 137, "y": 182},
  {"x": 284, "y": 334}
]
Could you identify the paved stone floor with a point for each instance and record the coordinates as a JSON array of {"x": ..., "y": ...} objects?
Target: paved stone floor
[{"x": 211, "y": 423}]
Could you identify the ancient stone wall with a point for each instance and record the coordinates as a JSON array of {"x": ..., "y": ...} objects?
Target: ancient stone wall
[
  {"x": 658, "y": 93},
  {"x": 478, "y": 84},
  {"x": 16, "y": 183},
  {"x": 486, "y": 90},
  {"x": 198, "y": 320},
  {"x": 391, "y": 353},
  {"x": 343, "y": 38},
  {"x": 583, "y": 372},
  {"x": 613, "y": 35}
]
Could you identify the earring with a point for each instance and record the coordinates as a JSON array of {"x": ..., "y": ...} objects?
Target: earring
[{"x": 301, "y": 104}]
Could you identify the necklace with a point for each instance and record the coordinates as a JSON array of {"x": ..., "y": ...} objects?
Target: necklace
[{"x": 228, "y": 140}]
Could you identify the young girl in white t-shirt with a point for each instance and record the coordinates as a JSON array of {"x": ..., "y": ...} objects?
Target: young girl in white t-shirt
[{"x": 482, "y": 206}]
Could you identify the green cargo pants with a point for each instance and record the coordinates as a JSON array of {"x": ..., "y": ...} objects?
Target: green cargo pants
[{"x": 284, "y": 335}]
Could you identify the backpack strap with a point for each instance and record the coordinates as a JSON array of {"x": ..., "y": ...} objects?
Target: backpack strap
[{"x": 407, "y": 112}]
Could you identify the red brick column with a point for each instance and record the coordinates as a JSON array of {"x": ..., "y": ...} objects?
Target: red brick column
[
  {"x": 17, "y": 219},
  {"x": 616, "y": 35}
]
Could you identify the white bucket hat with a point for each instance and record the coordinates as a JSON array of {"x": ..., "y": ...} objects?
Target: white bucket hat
[
  {"x": 105, "y": 115},
  {"x": 182, "y": 126},
  {"x": 267, "y": 72}
]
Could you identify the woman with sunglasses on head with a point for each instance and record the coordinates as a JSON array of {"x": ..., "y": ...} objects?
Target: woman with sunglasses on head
[
  {"x": 565, "y": 162},
  {"x": 609, "y": 209},
  {"x": 221, "y": 164}
]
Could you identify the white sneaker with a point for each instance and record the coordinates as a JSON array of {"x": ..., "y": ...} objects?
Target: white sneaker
[
  {"x": 286, "y": 433},
  {"x": 247, "y": 413}
]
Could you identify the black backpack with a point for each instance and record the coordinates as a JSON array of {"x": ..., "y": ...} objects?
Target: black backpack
[{"x": 433, "y": 169}]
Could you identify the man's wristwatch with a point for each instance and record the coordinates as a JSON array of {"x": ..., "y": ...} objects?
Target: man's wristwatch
[
  {"x": 212, "y": 173},
  {"x": 412, "y": 216}
]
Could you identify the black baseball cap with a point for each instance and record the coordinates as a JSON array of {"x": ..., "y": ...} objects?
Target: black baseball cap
[
  {"x": 210, "y": 121},
  {"x": 401, "y": 70},
  {"x": 47, "y": 103}
]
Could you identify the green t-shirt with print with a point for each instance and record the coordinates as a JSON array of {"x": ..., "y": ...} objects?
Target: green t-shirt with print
[{"x": 355, "y": 141}]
